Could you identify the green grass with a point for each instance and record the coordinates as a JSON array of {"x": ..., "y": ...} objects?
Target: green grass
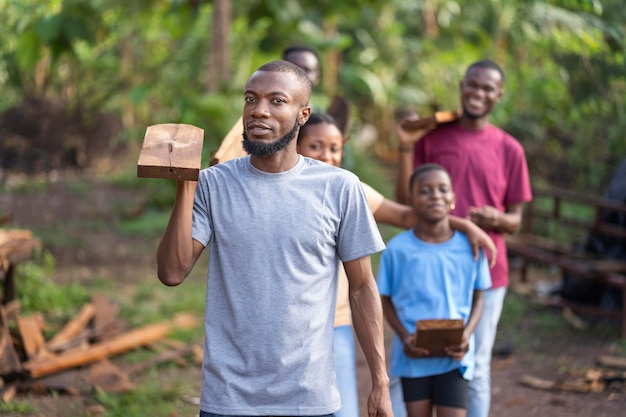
[
  {"x": 151, "y": 224},
  {"x": 16, "y": 407},
  {"x": 155, "y": 396}
]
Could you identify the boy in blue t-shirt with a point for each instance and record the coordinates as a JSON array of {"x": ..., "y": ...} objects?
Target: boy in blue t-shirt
[{"x": 429, "y": 272}]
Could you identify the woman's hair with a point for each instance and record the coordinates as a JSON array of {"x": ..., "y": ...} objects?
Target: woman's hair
[{"x": 316, "y": 119}]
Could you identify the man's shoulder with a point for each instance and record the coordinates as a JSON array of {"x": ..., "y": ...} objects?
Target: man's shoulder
[{"x": 327, "y": 169}]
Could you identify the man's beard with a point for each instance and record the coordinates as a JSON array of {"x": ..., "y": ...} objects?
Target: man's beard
[{"x": 267, "y": 149}]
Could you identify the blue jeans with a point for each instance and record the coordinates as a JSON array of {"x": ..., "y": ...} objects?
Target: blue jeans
[
  {"x": 485, "y": 336},
  {"x": 345, "y": 369}
]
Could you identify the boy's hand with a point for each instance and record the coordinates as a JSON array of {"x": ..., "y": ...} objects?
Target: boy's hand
[
  {"x": 457, "y": 352},
  {"x": 413, "y": 351}
]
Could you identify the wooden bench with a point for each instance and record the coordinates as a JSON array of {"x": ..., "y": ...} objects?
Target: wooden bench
[{"x": 553, "y": 222}]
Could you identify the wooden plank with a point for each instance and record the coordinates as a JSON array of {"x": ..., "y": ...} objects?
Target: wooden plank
[
  {"x": 618, "y": 362},
  {"x": 105, "y": 321},
  {"x": 32, "y": 337},
  {"x": 9, "y": 361},
  {"x": 108, "y": 377},
  {"x": 436, "y": 335},
  {"x": 118, "y": 344},
  {"x": 171, "y": 151},
  {"x": 8, "y": 393},
  {"x": 231, "y": 146},
  {"x": 72, "y": 328},
  {"x": 173, "y": 354},
  {"x": 17, "y": 245},
  {"x": 437, "y": 118}
]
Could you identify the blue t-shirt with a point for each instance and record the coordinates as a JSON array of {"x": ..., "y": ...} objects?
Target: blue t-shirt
[
  {"x": 275, "y": 240},
  {"x": 430, "y": 281}
]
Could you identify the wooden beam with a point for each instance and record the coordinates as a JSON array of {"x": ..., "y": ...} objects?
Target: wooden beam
[
  {"x": 72, "y": 328},
  {"x": 231, "y": 146},
  {"x": 9, "y": 361},
  {"x": 32, "y": 337},
  {"x": 118, "y": 344},
  {"x": 438, "y": 118},
  {"x": 171, "y": 151}
]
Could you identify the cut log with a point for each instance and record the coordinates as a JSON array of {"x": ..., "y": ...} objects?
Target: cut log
[
  {"x": 612, "y": 361},
  {"x": 171, "y": 151},
  {"x": 105, "y": 322},
  {"x": 107, "y": 377},
  {"x": 72, "y": 328},
  {"x": 118, "y": 344},
  {"x": 170, "y": 355},
  {"x": 573, "y": 385},
  {"x": 9, "y": 360},
  {"x": 8, "y": 393},
  {"x": 231, "y": 146},
  {"x": 438, "y": 118},
  {"x": 32, "y": 337}
]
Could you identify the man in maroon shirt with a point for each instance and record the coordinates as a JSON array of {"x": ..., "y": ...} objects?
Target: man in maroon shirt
[{"x": 491, "y": 182}]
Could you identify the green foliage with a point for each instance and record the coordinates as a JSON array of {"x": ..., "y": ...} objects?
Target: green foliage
[
  {"x": 146, "y": 61},
  {"x": 38, "y": 292}
]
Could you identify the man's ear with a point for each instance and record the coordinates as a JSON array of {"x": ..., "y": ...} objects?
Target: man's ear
[
  {"x": 345, "y": 140},
  {"x": 305, "y": 113}
]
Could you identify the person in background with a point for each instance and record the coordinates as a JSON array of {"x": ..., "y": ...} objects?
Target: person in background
[
  {"x": 306, "y": 58},
  {"x": 321, "y": 139},
  {"x": 491, "y": 183},
  {"x": 429, "y": 272},
  {"x": 277, "y": 225}
]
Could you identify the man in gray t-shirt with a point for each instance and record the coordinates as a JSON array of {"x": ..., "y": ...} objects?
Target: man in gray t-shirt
[{"x": 276, "y": 225}]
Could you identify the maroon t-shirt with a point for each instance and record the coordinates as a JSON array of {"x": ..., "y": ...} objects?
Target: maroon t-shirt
[{"x": 487, "y": 167}]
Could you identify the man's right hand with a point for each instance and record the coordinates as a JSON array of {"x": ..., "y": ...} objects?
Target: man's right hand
[{"x": 408, "y": 137}]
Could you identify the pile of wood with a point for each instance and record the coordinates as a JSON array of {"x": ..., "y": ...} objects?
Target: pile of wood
[
  {"x": 75, "y": 358},
  {"x": 609, "y": 376}
]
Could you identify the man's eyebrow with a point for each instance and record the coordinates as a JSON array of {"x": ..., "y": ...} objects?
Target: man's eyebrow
[{"x": 280, "y": 93}]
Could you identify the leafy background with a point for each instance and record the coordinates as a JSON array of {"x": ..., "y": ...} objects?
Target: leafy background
[{"x": 143, "y": 62}]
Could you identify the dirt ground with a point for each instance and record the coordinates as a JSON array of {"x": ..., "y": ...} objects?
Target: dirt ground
[{"x": 58, "y": 208}]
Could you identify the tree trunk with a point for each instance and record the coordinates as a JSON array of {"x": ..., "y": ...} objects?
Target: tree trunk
[{"x": 219, "y": 54}]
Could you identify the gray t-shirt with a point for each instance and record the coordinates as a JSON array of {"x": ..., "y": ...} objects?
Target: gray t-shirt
[{"x": 274, "y": 239}]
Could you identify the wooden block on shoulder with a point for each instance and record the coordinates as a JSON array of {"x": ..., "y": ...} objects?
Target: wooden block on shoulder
[
  {"x": 438, "y": 118},
  {"x": 171, "y": 151},
  {"x": 231, "y": 146}
]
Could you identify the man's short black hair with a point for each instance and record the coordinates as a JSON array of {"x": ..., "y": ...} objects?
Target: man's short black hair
[
  {"x": 488, "y": 64},
  {"x": 299, "y": 48}
]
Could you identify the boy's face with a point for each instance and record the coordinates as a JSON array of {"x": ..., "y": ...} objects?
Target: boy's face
[
  {"x": 432, "y": 196},
  {"x": 322, "y": 141}
]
